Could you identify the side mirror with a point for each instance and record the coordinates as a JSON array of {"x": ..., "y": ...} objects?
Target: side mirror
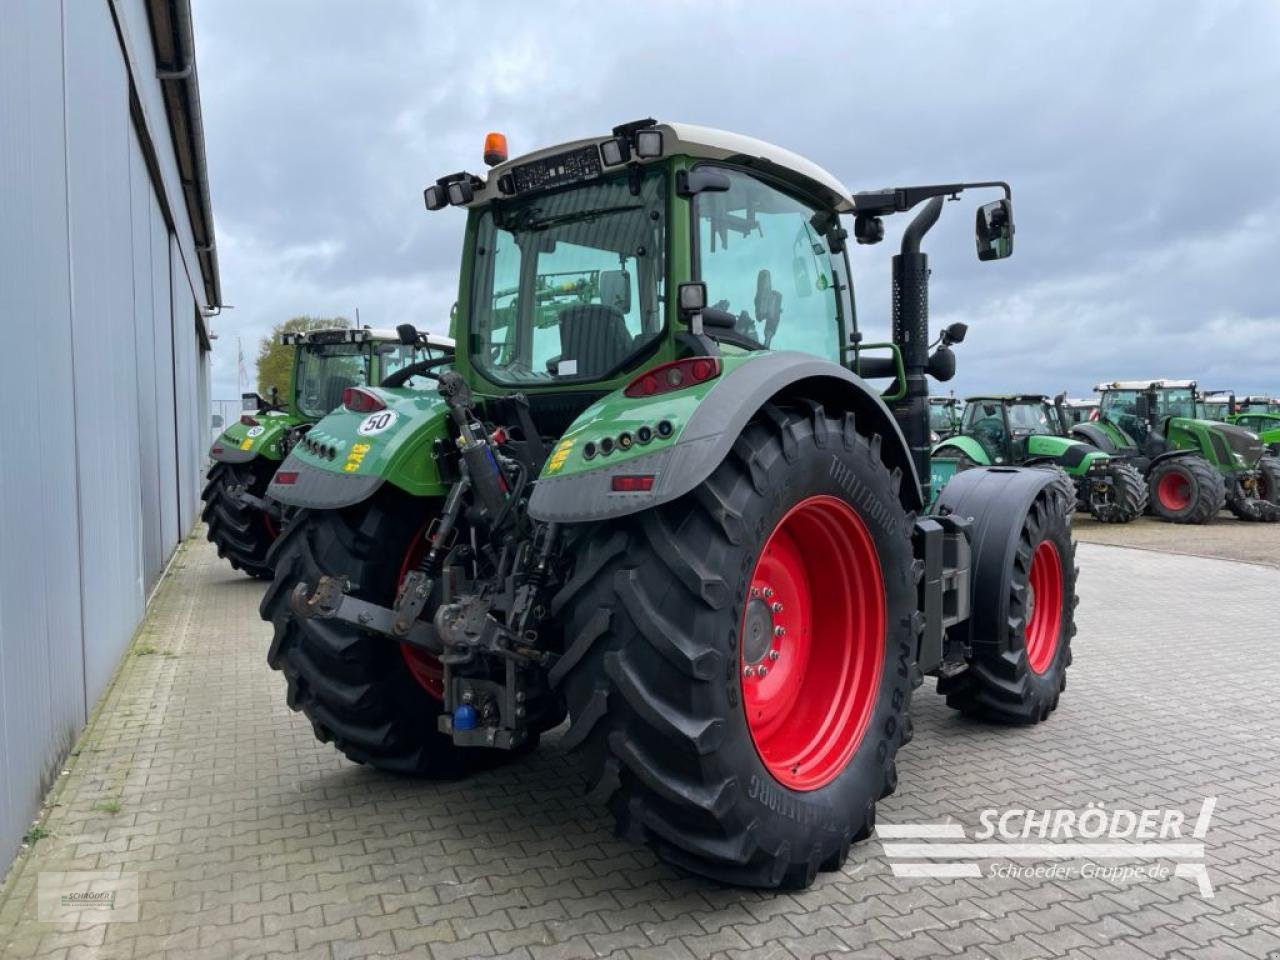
[
  {"x": 942, "y": 365},
  {"x": 408, "y": 334},
  {"x": 954, "y": 333},
  {"x": 994, "y": 230}
]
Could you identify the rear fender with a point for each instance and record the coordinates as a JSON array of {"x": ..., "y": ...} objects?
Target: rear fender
[
  {"x": 706, "y": 421},
  {"x": 970, "y": 447},
  {"x": 995, "y": 501},
  {"x": 241, "y": 442},
  {"x": 347, "y": 457}
]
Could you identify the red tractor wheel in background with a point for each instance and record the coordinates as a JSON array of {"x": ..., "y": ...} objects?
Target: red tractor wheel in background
[{"x": 1186, "y": 489}]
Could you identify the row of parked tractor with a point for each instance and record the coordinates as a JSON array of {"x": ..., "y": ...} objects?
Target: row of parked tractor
[{"x": 1161, "y": 447}]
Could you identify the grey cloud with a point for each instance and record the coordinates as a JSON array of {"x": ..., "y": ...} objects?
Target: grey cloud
[{"x": 1140, "y": 140}]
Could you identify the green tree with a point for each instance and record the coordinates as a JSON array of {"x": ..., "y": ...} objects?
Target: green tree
[{"x": 275, "y": 361}]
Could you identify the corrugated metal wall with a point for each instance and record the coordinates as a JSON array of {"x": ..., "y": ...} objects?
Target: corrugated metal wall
[{"x": 105, "y": 435}]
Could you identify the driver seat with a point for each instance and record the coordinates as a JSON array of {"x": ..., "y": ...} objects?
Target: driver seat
[{"x": 595, "y": 336}]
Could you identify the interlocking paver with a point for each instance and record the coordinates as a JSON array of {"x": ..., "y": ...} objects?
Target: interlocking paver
[{"x": 251, "y": 839}]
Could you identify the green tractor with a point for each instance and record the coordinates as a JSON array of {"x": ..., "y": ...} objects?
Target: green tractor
[
  {"x": 945, "y": 414},
  {"x": 1260, "y": 415},
  {"x": 1026, "y": 430},
  {"x": 1194, "y": 466},
  {"x": 694, "y": 530},
  {"x": 242, "y": 521}
]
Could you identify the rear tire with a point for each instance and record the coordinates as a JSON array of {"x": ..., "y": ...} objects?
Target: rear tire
[
  {"x": 243, "y": 535},
  {"x": 1016, "y": 675},
  {"x": 1128, "y": 497},
  {"x": 356, "y": 687},
  {"x": 662, "y": 625},
  {"x": 1186, "y": 490}
]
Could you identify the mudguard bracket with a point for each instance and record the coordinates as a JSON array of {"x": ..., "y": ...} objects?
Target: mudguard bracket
[{"x": 941, "y": 543}]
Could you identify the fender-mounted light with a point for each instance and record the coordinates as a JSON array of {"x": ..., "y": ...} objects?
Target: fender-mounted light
[
  {"x": 248, "y": 421},
  {"x": 286, "y": 477},
  {"x": 217, "y": 448},
  {"x": 675, "y": 375},
  {"x": 360, "y": 400},
  {"x": 633, "y": 483}
]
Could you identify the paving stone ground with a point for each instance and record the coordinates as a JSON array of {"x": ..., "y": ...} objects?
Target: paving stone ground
[{"x": 249, "y": 838}]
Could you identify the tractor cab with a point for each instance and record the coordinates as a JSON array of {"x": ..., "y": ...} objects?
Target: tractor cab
[
  {"x": 1141, "y": 409},
  {"x": 945, "y": 414},
  {"x": 327, "y": 363},
  {"x": 1258, "y": 404},
  {"x": 1004, "y": 425}
]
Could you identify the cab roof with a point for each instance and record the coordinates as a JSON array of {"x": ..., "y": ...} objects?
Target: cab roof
[
  {"x": 1144, "y": 384},
  {"x": 687, "y": 139},
  {"x": 359, "y": 335},
  {"x": 1009, "y": 398}
]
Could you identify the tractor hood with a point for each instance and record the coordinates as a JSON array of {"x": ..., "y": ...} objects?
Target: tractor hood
[{"x": 1241, "y": 442}]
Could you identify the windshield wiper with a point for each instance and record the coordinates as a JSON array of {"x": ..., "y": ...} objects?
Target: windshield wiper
[{"x": 579, "y": 215}]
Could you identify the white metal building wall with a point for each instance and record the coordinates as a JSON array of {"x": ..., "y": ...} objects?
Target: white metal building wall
[{"x": 100, "y": 458}]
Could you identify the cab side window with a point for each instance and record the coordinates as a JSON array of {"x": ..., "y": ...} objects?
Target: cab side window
[{"x": 763, "y": 261}]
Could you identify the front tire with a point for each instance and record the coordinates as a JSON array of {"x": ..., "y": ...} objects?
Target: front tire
[
  {"x": 242, "y": 534},
  {"x": 1018, "y": 668},
  {"x": 1127, "y": 499},
  {"x": 1186, "y": 490},
  {"x": 744, "y": 775}
]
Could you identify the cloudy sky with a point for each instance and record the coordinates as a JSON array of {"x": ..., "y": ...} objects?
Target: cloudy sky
[{"x": 1142, "y": 141}]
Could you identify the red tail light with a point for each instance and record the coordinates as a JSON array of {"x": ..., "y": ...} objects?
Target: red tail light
[
  {"x": 675, "y": 375},
  {"x": 360, "y": 400},
  {"x": 633, "y": 483},
  {"x": 248, "y": 421},
  {"x": 286, "y": 477}
]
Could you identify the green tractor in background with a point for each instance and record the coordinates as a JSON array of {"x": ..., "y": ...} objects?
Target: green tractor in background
[
  {"x": 1194, "y": 466},
  {"x": 674, "y": 510},
  {"x": 242, "y": 521},
  {"x": 945, "y": 414},
  {"x": 1260, "y": 415},
  {"x": 1026, "y": 430}
]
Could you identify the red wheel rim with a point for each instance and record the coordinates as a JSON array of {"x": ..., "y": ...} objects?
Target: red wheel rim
[
  {"x": 425, "y": 668},
  {"x": 813, "y": 642},
  {"x": 1044, "y": 606},
  {"x": 1174, "y": 491}
]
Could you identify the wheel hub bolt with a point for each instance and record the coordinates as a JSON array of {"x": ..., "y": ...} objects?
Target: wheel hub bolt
[
  {"x": 755, "y": 592},
  {"x": 749, "y": 672},
  {"x": 777, "y": 607},
  {"x": 763, "y": 670},
  {"x": 779, "y": 630},
  {"x": 774, "y": 654},
  {"x": 768, "y": 592}
]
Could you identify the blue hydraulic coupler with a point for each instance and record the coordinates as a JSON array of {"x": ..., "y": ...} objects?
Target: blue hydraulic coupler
[{"x": 464, "y": 718}]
